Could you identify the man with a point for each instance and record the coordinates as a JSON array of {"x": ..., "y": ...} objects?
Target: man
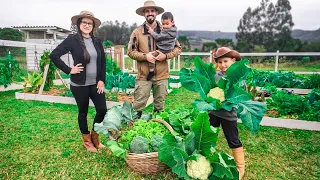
[{"x": 141, "y": 48}]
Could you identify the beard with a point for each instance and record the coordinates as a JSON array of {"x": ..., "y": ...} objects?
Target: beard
[{"x": 150, "y": 20}]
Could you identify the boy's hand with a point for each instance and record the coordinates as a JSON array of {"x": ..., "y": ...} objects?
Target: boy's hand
[{"x": 150, "y": 30}]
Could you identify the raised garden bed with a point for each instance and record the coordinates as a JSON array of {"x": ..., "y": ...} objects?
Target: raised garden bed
[{"x": 61, "y": 95}]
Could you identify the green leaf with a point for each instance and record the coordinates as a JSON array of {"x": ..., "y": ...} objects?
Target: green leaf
[
  {"x": 205, "y": 138},
  {"x": 205, "y": 70},
  {"x": 116, "y": 149},
  {"x": 238, "y": 71},
  {"x": 128, "y": 112},
  {"x": 251, "y": 114},
  {"x": 237, "y": 95},
  {"x": 228, "y": 106},
  {"x": 189, "y": 142},
  {"x": 202, "y": 105},
  {"x": 181, "y": 158},
  {"x": 195, "y": 82},
  {"x": 165, "y": 150},
  {"x": 112, "y": 120},
  {"x": 224, "y": 84},
  {"x": 224, "y": 167}
]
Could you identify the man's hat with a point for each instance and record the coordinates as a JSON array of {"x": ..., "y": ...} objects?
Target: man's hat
[{"x": 149, "y": 4}]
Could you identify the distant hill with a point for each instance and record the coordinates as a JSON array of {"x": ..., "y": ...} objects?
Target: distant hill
[
  {"x": 309, "y": 36},
  {"x": 196, "y": 38}
]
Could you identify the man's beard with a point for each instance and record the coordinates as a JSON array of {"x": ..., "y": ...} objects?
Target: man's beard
[{"x": 151, "y": 20}]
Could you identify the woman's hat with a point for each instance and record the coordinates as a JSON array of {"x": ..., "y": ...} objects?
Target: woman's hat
[
  {"x": 86, "y": 14},
  {"x": 149, "y": 4},
  {"x": 225, "y": 51}
]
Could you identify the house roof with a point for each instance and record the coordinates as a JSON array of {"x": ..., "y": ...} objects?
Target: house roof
[{"x": 42, "y": 28}]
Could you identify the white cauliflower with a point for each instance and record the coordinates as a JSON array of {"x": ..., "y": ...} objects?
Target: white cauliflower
[
  {"x": 217, "y": 93},
  {"x": 200, "y": 169}
]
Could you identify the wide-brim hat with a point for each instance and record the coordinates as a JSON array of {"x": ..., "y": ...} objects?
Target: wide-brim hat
[
  {"x": 225, "y": 51},
  {"x": 149, "y": 4},
  {"x": 86, "y": 14}
]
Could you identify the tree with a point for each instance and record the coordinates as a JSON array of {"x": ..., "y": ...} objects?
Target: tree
[
  {"x": 12, "y": 35},
  {"x": 184, "y": 42},
  {"x": 116, "y": 32},
  {"x": 208, "y": 46},
  {"x": 73, "y": 28},
  {"x": 225, "y": 42},
  {"x": 268, "y": 25}
]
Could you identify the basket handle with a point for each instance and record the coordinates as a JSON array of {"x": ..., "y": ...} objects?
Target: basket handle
[{"x": 167, "y": 125}]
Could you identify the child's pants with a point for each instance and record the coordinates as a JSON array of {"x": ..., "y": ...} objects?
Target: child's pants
[{"x": 230, "y": 130}]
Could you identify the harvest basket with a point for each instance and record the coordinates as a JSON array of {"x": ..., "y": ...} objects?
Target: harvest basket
[{"x": 147, "y": 163}]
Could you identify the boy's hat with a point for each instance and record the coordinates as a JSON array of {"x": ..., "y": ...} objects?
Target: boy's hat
[
  {"x": 225, "y": 51},
  {"x": 86, "y": 14},
  {"x": 149, "y": 4}
]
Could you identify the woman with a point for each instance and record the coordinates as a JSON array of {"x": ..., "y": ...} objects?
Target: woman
[
  {"x": 87, "y": 75},
  {"x": 224, "y": 58}
]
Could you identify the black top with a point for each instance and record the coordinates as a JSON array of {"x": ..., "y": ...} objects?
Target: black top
[{"x": 72, "y": 44}]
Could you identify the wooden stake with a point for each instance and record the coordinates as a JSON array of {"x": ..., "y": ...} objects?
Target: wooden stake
[{"x": 46, "y": 69}]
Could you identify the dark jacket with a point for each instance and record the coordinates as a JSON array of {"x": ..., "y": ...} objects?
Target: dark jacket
[{"x": 72, "y": 44}]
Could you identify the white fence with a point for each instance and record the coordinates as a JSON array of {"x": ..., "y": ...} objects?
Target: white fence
[
  {"x": 177, "y": 62},
  {"x": 34, "y": 51}
]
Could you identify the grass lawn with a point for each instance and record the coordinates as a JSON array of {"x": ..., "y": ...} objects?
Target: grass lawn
[{"x": 42, "y": 141}]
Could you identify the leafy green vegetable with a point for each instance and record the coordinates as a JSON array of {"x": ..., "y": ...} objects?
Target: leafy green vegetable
[
  {"x": 139, "y": 145},
  {"x": 180, "y": 118},
  {"x": 116, "y": 116},
  {"x": 176, "y": 151},
  {"x": 234, "y": 96}
]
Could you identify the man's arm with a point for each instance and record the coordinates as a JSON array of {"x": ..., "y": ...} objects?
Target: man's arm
[
  {"x": 133, "y": 51},
  {"x": 175, "y": 52}
]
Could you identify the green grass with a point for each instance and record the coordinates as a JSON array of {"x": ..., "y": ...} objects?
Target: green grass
[
  {"x": 42, "y": 141},
  {"x": 293, "y": 66}
]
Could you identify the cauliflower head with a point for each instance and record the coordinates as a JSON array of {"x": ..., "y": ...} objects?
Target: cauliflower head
[
  {"x": 217, "y": 93},
  {"x": 200, "y": 169}
]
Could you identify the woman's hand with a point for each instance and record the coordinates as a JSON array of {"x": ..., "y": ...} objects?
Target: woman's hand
[
  {"x": 77, "y": 69},
  {"x": 100, "y": 87}
]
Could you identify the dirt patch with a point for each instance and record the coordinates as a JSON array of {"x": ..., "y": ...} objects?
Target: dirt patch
[
  {"x": 272, "y": 113},
  {"x": 54, "y": 92}
]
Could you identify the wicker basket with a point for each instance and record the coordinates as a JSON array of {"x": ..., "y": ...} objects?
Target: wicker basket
[{"x": 147, "y": 163}]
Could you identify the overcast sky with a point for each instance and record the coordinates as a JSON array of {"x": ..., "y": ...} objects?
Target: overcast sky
[{"x": 213, "y": 15}]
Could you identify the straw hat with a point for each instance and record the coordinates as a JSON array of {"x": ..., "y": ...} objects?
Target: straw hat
[
  {"x": 149, "y": 4},
  {"x": 86, "y": 14},
  {"x": 227, "y": 52}
]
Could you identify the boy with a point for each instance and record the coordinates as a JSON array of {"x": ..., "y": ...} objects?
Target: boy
[
  {"x": 166, "y": 39},
  {"x": 225, "y": 57}
]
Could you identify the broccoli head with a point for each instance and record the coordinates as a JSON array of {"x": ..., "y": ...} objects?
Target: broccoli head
[
  {"x": 156, "y": 140},
  {"x": 139, "y": 145}
]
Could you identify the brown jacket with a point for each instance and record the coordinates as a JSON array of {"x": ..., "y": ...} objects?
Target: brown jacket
[{"x": 141, "y": 42}]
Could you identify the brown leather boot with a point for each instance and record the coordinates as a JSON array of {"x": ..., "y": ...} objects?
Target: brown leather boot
[
  {"x": 95, "y": 140},
  {"x": 87, "y": 143},
  {"x": 238, "y": 154}
]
